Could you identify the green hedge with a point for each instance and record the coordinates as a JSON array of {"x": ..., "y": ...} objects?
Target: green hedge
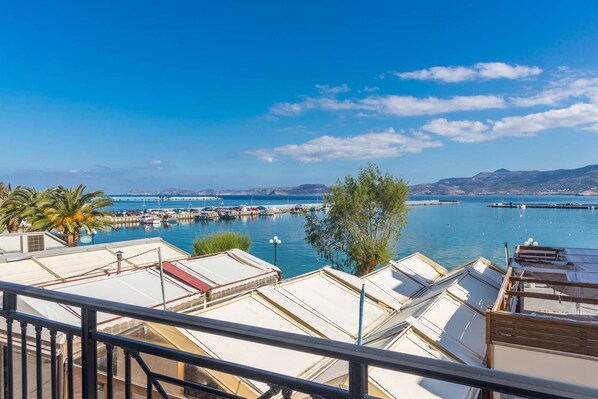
[{"x": 219, "y": 242}]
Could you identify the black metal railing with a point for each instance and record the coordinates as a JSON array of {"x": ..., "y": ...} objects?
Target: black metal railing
[{"x": 359, "y": 358}]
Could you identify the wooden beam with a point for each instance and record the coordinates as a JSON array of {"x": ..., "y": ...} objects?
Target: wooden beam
[
  {"x": 555, "y": 282},
  {"x": 552, "y": 297}
]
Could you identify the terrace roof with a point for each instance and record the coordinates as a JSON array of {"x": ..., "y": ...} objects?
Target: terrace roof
[
  {"x": 58, "y": 265},
  {"x": 445, "y": 319}
]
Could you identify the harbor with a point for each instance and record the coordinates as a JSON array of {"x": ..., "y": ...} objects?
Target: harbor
[
  {"x": 166, "y": 216},
  {"x": 522, "y": 205}
]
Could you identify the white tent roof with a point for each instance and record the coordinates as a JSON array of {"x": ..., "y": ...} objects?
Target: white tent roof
[
  {"x": 254, "y": 310},
  {"x": 420, "y": 267},
  {"x": 56, "y": 265},
  {"x": 402, "y": 385},
  {"x": 445, "y": 321},
  {"x": 333, "y": 301},
  {"x": 137, "y": 287},
  {"x": 225, "y": 267},
  {"x": 396, "y": 283},
  {"x": 315, "y": 304}
]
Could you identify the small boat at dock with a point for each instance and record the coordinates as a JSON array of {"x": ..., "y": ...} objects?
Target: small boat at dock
[
  {"x": 299, "y": 209},
  {"x": 207, "y": 215},
  {"x": 228, "y": 214}
]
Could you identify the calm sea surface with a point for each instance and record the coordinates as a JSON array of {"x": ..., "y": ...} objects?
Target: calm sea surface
[{"x": 449, "y": 234}]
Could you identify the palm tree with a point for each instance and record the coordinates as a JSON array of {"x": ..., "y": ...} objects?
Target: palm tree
[
  {"x": 4, "y": 190},
  {"x": 69, "y": 210},
  {"x": 19, "y": 205}
]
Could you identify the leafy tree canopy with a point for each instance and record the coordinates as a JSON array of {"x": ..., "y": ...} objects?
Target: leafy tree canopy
[{"x": 366, "y": 217}]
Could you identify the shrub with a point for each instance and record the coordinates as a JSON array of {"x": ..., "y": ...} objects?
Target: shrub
[{"x": 219, "y": 242}]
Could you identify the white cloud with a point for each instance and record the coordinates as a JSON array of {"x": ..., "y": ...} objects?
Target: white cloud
[
  {"x": 392, "y": 105},
  {"x": 591, "y": 128},
  {"x": 573, "y": 116},
  {"x": 580, "y": 115},
  {"x": 559, "y": 91},
  {"x": 460, "y": 131},
  {"x": 371, "y": 89},
  {"x": 287, "y": 109},
  {"x": 374, "y": 145},
  {"x": 262, "y": 154},
  {"x": 326, "y": 90},
  {"x": 480, "y": 71},
  {"x": 156, "y": 162}
]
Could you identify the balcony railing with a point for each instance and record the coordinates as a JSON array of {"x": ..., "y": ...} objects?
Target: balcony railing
[{"x": 359, "y": 358}]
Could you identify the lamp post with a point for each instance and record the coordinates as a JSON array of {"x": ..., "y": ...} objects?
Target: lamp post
[{"x": 276, "y": 242}]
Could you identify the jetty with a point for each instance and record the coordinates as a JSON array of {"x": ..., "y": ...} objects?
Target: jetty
[
  {"x": 522, "y": 205},
  {"x": 149, "y": 198},
  {"x": 432, "y": 202}
]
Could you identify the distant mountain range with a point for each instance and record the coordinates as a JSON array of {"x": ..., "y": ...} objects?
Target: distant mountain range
[
  {"x": 582, "y": 181},
  {"x": 304, "y": 189}
]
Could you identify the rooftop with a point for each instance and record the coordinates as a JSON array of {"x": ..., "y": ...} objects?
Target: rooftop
[
  {"x": 556, "y": 282},
  {"x": 15, "y": 243},
  {"x": 443, "y": 318}
]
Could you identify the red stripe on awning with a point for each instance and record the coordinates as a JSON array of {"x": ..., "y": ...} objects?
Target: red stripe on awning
[{"x": 185, "y": 277}]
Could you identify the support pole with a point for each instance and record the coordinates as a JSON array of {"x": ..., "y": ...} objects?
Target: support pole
[
  {"x": 89, "y": 358},
  {"x": 161, "y": 277},
  {"x": 358, "y": 381},
  {"x": 361, "y": 303}
]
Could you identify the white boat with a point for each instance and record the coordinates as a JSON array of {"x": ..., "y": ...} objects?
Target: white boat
[
  {"x": 156, "y": 222},
  {"x": 146, "y": 219},
  {"x": 268, "y": 212}
]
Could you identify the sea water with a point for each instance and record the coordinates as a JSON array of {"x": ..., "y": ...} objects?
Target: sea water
[{"x": 449, "y": 234}]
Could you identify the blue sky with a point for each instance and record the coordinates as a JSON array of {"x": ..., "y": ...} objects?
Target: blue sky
[{"x": 249, "y": 94}]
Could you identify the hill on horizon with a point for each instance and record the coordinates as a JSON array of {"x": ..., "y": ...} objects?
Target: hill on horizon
[
  {"x": 303, "y": 189},
  {"x": 582, "y": 180}
]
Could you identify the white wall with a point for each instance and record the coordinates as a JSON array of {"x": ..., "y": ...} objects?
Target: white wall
[
  {"x": 17, "y": 243},
  {"x": 553, "y": 366}
]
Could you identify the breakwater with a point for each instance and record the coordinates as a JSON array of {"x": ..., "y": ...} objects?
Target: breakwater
[
  {"x": 130, "y": 198},
  {"x": 522, "y": 205}
]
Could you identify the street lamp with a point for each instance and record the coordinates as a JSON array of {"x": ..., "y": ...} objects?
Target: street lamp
[{"x": 276, "y": 242}]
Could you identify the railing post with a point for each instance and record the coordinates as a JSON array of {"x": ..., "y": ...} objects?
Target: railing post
[
  {"x": 9, "y": 306},
  {"x": 358, "y": 381},
  {"x": 89, "y": 354}
]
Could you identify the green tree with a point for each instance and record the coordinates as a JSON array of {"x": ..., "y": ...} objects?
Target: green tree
[
  {"x": 70, "y": 210},
  {"x": 364, "y": 223},
  {"x": 20, "y": 205},
  {"x": 219, "y": 242}
]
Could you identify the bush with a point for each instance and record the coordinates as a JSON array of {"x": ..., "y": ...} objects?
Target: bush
[{"x": 219, "y": 242}]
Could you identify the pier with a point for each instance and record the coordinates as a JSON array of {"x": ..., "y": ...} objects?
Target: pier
[
  {"x": 432, "y": 202},
  {"x": 141, "y": 198},
  {"x": 169, "y": 216},
  {"x": 522, "y": 205}
]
